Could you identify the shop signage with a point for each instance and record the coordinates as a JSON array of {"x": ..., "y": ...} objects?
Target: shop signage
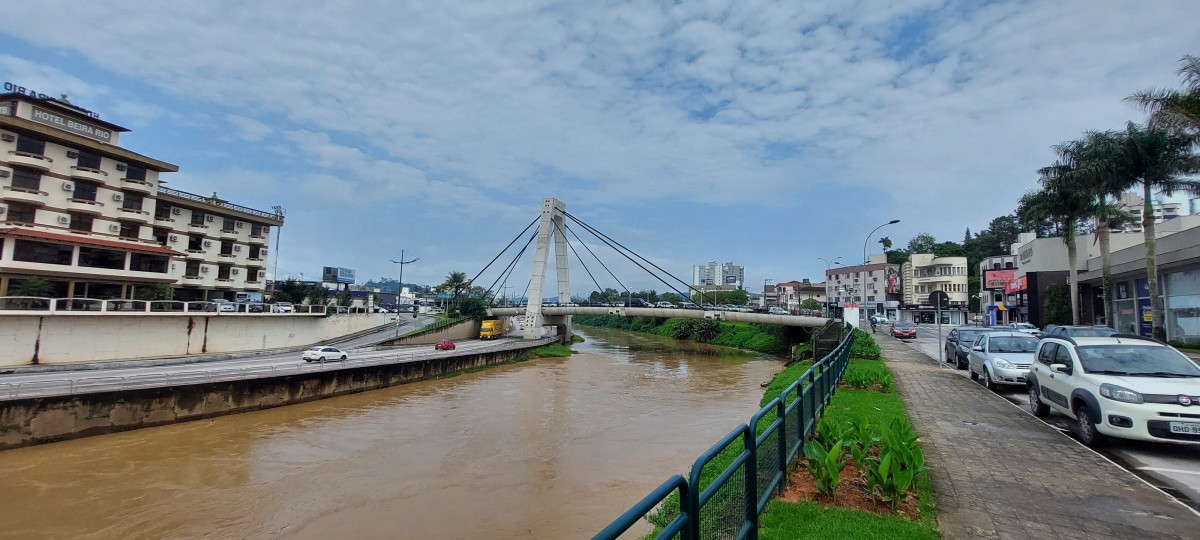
[
  {"x": 1016, "y": 285},
  {"x": 91, "y": 131},
  {"x": 997, "y": 279},
  {"x": 1026, "y": 255},
  {"x": 18, "y": 89},
  {"x": 334, "y": 274}
]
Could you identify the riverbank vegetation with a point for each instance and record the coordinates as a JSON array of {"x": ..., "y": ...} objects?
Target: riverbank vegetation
[{"x": 764, "y": 338}]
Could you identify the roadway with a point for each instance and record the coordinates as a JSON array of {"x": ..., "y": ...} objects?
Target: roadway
[
  {"x": 1172, "y": 467},
  {"x": 359, "y": 350}
]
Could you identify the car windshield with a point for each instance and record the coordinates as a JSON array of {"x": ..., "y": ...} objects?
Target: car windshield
[
  {"x": 967, "y": 336},
  {"x": 1095, "y": 331},
  {"x": 1012, "y": 344},
  {"x": 904, "y": 325},
  {"x": 1136, "y": 360},
  {"x": 1025, "y": 325}
]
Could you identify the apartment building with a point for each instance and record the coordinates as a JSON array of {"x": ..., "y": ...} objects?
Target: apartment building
[
  {"x": 713, "y": 274},
  {"x": 923, "y": 274},
  {"x": 790, "y": 294},
  {"x": 874, "y": 286},
  {"x": 94, "y": 220},
  {"x": 1135, "y": 205}
]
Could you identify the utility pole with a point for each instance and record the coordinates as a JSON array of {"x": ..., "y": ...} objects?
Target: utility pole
[
  {"x": 400, "y": 288},
  {"x": 279, "y": 210}
]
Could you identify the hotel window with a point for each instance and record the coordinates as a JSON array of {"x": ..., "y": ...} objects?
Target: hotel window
[
  {"x": 195, "y": 242},
  {"x": 132, "y": 201},
  {"x": 197, "y": 218},
  {"x": 223, "y": 271},
  {"x": 256, "y": 229},
  {"x": 81, "y": 222},
  {"x": 26, "y": 179},
  {"x": 145, "y": 262},
  {"x": 88, "y": 161},
  {"x": 84, "y": 191},
  {"x": 130, "y": 230},
  {"x": 192, "y": 269},
  {"x": 162, "y": 210},
  {"x": 162, "y": 235},
  {"x": 42, "y": 252},
  {"x": 228, "y": 224},
  {"x": 226, "y": 247},
  {"x": 1008, "y": 266},
  {"x": 135, "y": 173},
  {"x": 102, "y": 258},
  {"x": 21, "y": 213},
  {"x": 31, "y": 145}
]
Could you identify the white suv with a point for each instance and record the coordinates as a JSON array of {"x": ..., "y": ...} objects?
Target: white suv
[{"x": 1120, "y": 386}]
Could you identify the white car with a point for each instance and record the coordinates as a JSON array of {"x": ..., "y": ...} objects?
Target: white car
[
  {"x": 321, "y": 354},
  {"x": 282, "y": 307},
  {"x": 225, "y": 306},
  {"x": 1001, "y": 358},
  {"x": 776, "y": 310},
  {"x": 664, "y": 305},
  {"x": 1026, "y": 328},
  {"x": 1121, "y": 386}
]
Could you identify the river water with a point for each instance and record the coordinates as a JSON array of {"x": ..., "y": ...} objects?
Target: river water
[{"x": 551, "y": 448}]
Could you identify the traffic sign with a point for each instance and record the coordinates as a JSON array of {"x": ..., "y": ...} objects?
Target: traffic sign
[{"x": 939, "y": 299}]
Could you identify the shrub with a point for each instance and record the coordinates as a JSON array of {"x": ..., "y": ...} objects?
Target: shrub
[
  {"x": 825, "y": 465},
  {"x": 864, "y": 346}
]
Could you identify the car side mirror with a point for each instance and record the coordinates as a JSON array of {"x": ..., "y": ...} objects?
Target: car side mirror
[
  {"x": 977, "y": 348},
  {"x": 1061, "y": 368}
]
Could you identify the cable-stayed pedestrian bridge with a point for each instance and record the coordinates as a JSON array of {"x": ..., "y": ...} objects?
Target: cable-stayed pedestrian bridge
[{"x": 552, "y": 227}]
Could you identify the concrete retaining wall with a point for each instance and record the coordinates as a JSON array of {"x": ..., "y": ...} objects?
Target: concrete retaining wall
[
  {"x": 468, "y": 329},
  {"x": 27, "y": 422},
  {"x": 64, "y": 339}
]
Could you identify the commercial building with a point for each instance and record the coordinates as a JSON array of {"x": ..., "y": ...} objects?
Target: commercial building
[
  {"x": 94, "y": 220},
  {"x": 996, "y": 273},
  {"x": 791, "y": 294},
  {"x": 925, "y": 273},
  {"x": 713, "y": 274},
  {"x": 880, "y": 280}
]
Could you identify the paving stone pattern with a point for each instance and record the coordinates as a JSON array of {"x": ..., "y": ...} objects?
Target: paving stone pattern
[{"x": 999, "y": 473}]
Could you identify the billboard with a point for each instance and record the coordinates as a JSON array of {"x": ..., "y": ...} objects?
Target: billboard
[
  {"x": 335, "y": 274},
  {"x": 1016, "y": 285},
  {"x": 998, "y": 279}
]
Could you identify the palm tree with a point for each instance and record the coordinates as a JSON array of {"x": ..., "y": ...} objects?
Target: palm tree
[
  {"x": 1181, "y": 106},
  {"x": 1065, "y": 205},
  {"x": 1092, "y": 166},
  {"x": 455, "y": 282},
  {"x": 1159, "y": 158}
]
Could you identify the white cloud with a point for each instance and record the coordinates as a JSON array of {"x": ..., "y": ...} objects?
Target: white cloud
[{"x": 248, "y": 128}]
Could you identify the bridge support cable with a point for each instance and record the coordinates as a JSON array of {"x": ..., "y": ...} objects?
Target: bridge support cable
[
  {"x": 508, "y": 269},
  {"x": 589, "y": 250},
  {"x": 510, "y": 244},
  {"x": 607, "y": 240},
  {"x": 580, "y": 259}
]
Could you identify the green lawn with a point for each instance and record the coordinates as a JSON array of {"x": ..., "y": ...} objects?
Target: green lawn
[{"x": 811, "y": 520}]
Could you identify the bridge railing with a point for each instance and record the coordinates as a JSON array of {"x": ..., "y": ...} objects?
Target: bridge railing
[
  {"x": 732, "y": 482},
  {"x": 36, "y": 305}
]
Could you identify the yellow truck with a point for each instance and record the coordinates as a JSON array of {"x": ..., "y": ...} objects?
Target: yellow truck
[{"x": 491, "y": 329}]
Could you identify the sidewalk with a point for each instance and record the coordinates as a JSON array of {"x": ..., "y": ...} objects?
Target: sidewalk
[{"x": 999, "y": 473}]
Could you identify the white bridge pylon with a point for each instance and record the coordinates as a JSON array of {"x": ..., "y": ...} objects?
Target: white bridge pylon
[{"x": 552, "y": 224}]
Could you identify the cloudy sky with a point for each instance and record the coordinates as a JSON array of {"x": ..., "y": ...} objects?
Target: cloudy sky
[{"x": 767, "y": 133}]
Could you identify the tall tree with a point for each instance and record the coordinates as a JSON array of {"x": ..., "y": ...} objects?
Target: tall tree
[
  {"x": 1179, "y": 106},
  {"x": 1159, "y": 158},
  {"x": 886, "y": 243},
  {"x": 922, "y": 243},
  {"x": 455, "y": 283}
]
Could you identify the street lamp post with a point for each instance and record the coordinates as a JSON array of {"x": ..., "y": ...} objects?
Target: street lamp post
[
  {"x": 400, "y": 287},
  {"x": 279, "y": 211},
  {"x": 828, "y": 264},
  {"x": 867, "y": 261}
]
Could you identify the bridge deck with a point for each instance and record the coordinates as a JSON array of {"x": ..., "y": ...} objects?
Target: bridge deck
[{"x": 732, "y": 316}]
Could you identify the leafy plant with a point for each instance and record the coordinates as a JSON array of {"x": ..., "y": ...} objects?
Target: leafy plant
[
  {"x": 864, "y": 440},
  {"x": 900, "y": 462},
  {"x": 33, "y": 286},
  {"x": 825, "y": 465},
  {"x": 864, "y": 346},
  {"x": 157, "y": 291}
]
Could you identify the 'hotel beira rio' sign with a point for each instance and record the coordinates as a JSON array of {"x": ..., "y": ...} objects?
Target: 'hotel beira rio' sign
[{"x": 91, "y": 131}]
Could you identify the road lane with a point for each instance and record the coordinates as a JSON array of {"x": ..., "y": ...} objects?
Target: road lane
[{"x": 1173, "y": 467}]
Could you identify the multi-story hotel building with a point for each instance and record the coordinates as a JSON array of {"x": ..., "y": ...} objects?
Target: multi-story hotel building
[
  {"x": 94, "y": 220},
  {"x": 925, "y": 273}
]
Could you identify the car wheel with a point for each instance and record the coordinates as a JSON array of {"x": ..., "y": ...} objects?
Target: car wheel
[
  {"x": 322, "y": 359},
  {"x": 308, "y": 360},
  {"x": 974, "y": 376},
  {"x": 1086, "y": 428},
  {"x": 987, "y": 380},
  {"x": 343, "y": 357},
  {"x": 959, "y": 364},
  {"x": 1039, "y": 409}
]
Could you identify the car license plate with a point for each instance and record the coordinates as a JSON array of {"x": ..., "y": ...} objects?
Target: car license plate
[{"x": 1185, "y": 427}]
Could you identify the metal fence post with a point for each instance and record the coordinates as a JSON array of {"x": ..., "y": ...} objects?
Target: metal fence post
[
  {"x": 781, "y": 413},
  {"x": 748, "y": 439}
]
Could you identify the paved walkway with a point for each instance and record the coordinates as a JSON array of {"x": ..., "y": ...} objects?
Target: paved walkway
[{"x": 1000, "y": 473}]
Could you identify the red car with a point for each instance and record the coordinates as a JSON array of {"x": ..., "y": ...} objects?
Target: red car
[
  {"x": 904, "y": 330},
  {"x": 444, "y": 345}
]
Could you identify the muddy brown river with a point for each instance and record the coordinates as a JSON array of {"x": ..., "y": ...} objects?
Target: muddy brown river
[{"x": 552, "y": 448}]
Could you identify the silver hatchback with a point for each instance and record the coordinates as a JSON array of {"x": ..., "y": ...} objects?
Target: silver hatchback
[{"x": 1001, "y": 358}]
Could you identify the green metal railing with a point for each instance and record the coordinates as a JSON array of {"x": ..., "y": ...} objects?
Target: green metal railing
[{"x": 729, "y": 505}]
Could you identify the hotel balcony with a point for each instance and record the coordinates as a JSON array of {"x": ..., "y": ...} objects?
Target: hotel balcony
[{"x": 33, "y": 161}]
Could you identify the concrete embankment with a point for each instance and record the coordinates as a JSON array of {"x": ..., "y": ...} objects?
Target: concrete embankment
[{"x": 26, "y": 422}]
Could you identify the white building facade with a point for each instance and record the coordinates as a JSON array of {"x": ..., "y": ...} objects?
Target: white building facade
[{"x": 724, "y": 275}]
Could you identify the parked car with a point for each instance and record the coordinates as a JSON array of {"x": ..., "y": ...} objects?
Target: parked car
[
  {"x": 321, "y": 354},
  {"x": 341, "y": 309},
  {"x": 1078, "y": 331},
  {"x": 1001, "y": 358},
  {"x": 904, "y": 329},
  {"x": 282, "y": 307},
  {"x": 776, "y": 310},
  {"x": 958, "y": 344},
  {"x": 637, "y": 302},
  {"x": 688, "y": 305},
  {"x": 1119, "y": 386},
  {"x": 225, "y": 306},
  {"x": 664, "y": 304},
  {"x": 444, "y": 345},
  {"x": 1025, "y": 327}
]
